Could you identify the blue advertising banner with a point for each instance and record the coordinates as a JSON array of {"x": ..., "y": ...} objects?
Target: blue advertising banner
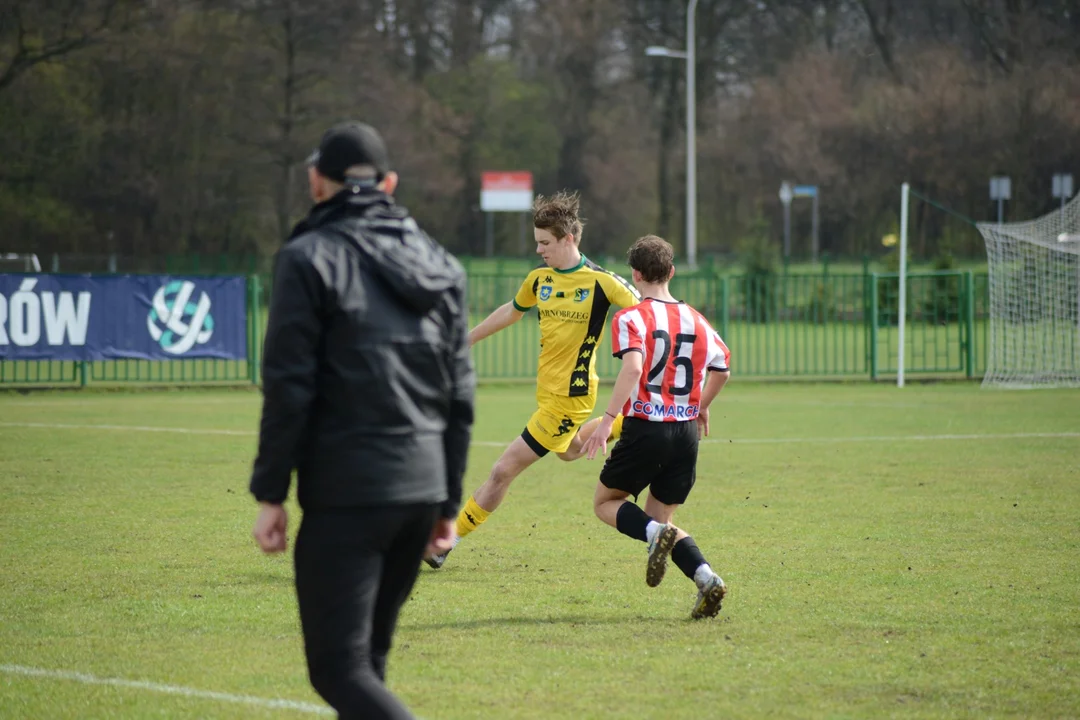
[{"x": 109, "y": 317}]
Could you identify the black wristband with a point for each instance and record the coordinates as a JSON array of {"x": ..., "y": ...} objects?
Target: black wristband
[{"x": 613, "y": 417}]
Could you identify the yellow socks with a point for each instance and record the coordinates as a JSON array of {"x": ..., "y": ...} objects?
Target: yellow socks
[{"x": 471, "y": 517}]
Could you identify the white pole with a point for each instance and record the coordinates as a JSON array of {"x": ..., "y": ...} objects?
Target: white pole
[
  {"x": 691, "y": 140},
  {"x": 1078, "y": 289},
  {"x": 902, "y": 305}
]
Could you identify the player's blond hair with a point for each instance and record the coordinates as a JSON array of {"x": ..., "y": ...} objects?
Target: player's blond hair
[{"x": 558, "y": 214}]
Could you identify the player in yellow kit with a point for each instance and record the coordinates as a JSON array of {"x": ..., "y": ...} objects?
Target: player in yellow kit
[{"x": 572, "y": 295}]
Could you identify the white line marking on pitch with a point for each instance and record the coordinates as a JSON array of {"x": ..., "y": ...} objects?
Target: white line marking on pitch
[
  {"x": 894, "y": 438},
  {"x": 147, "y": 399},
  {"x": 499, "y": 443},
  {"x": 274, "y": 704},
  {"x": 131, "y": 428}
]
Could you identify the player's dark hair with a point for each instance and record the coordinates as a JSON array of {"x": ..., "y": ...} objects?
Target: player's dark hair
[
  {"x": 558, "y": 214},
  {"x": 653, "y": 257}
]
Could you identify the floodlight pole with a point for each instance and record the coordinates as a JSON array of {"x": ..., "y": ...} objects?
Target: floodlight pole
[
  {"x": 902, "y": 300},
  {"x": 691, "y": 128},
  {"x": 691, "y": 139}
]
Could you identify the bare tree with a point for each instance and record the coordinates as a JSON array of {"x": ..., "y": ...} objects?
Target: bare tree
[
  {"x": 38, "y": 31},
  {"x": 879, "y": 18},
  {"x": 292, "y": 49}
]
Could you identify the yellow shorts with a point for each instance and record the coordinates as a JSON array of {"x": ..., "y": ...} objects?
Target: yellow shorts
[{"x": 556, "y": 421}]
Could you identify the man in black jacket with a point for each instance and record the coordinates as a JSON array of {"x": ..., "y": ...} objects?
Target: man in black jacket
[{"x": 368, "y": 393}]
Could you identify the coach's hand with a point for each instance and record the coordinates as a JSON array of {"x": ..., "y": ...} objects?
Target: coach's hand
[
  {"x": 442, "y": 537},
  {"x": 703, "y": 424},
  {"x": 270, "y": 528}
]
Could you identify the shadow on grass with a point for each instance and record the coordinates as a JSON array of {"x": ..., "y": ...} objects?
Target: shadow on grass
[
  {"x": 264, "y": 578},
  {"x": 571, "y": 620}
]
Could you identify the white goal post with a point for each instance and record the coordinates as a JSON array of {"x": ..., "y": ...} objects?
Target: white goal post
[{"x": 1034, "y": 267}]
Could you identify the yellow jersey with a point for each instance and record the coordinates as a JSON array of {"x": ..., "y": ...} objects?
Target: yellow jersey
[{"x": 573, "y": 306}]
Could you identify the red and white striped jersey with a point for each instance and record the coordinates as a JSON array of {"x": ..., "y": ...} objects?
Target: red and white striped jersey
[{"x": 678, "y": 345}]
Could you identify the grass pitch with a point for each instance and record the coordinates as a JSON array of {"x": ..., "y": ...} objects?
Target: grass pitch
[{"x": 889, "y": 553}]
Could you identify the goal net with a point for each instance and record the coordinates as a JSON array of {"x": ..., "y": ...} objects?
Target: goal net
[{"x": 1034, "y": 338}]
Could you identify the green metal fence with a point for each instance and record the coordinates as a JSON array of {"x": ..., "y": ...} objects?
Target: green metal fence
[
  {"x": 826, "y": 325},
  {"x": 168, "y": 372},
  {"x": 946, "y": 328},
  {"x": 808, "y": 326}
]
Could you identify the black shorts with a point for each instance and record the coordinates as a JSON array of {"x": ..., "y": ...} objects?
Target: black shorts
[{"x": 661, "y": 456}]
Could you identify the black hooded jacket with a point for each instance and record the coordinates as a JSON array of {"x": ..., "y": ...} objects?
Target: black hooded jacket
[{"x": 368, "y": 381}]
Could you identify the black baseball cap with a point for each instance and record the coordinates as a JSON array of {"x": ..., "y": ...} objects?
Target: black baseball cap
[{"x": 347, "y": 144}]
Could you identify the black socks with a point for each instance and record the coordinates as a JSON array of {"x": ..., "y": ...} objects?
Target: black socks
[{"x": 631, "y": 521}]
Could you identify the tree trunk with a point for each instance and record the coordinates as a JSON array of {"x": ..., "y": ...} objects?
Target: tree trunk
[{"x": 284, "y": 161}]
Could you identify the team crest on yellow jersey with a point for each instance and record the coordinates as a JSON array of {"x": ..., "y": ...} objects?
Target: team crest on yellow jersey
[{"x": 572, "y": 306}]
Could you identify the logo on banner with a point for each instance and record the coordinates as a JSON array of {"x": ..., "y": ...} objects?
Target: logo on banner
[{"x": 177, "y": 320}]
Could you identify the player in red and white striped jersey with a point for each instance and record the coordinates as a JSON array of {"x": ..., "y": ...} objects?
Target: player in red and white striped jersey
[
  {"x": 677, "y": 345},
  {"x": 673, "y": 366}
]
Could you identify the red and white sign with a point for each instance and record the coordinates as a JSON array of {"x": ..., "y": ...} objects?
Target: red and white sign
[{"x": 506, "y": 191}]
